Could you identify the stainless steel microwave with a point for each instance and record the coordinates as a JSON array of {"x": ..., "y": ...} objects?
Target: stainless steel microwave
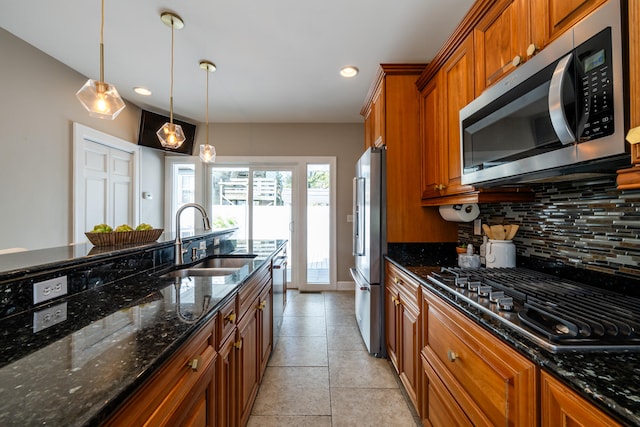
[{"x": 560, "y": 114}]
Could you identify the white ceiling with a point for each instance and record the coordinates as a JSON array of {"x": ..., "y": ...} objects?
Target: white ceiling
[{"x": 277, "y": 60}]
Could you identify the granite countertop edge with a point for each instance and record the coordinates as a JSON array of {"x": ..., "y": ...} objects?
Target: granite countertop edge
[{"x": 605, "y": 389}]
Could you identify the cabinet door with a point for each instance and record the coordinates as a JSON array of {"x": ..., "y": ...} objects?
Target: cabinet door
[
  {"x": 410, "y": 352},
  {"x": 198, "y": 409},
  {"x": 265, "y": 328},
  {"x": 248, "y": 360},
  {"x": 561, "y": 406},
  {"x": 501, "y": 41},
  {"x": 441, "y": 409},
  {"x": 434, "y": 149},
  {"x": 379, "y": 116},
  {"x": 557, "y": 16},
  {"x": 368, "y": 130},
  {"x": 391, "y": 323},
  {"x": 226, "y": 383},
  {"x": 457, "y": 82}
]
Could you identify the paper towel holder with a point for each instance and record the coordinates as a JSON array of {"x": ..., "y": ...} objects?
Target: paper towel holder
[{"x": 460, "y": 212}]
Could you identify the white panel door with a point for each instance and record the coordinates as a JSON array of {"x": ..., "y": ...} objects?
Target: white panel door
[{"x": 105, "y": 181}]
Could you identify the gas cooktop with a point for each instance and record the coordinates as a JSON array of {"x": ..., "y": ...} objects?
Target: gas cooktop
[{"x": 557, "y": 314}]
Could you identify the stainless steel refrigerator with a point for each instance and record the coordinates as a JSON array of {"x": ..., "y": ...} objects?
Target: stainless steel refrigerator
[{"x": 369, "y": 243}]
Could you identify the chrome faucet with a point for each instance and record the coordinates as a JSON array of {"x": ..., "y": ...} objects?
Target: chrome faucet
[{"x": 178, "y": 259}]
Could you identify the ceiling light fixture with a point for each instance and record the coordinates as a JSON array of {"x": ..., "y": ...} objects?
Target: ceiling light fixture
[
  {"x": 170, "y": 134},
  {"x": 207, "y": 152},
  {"x": 142, "y": 91},
  {"x": 349, "y": 71},
  {"x": 99, "y": 98}
]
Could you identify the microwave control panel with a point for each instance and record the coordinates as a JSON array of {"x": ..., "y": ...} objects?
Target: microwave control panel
[{"x": 594, "y": 69}]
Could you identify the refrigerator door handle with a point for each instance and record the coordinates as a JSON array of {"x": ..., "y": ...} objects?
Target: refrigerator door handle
[{"x": 358, "y": 217}]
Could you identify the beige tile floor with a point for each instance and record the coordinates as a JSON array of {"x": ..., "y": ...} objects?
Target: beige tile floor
[{"x": 320, "y": 373}]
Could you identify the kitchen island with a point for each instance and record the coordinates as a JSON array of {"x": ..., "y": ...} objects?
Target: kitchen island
[
  {"x": 119, "y": 324},
  {"x": 609, "y": 380}
]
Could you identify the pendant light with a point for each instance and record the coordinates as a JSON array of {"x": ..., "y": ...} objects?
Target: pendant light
[
  {"x": 171, "y": 134},
  {"x": 207, "y": 152},
  {"x": 99, "y": 98}
]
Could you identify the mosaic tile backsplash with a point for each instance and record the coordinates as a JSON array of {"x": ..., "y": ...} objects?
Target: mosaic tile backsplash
[{"x": 585, "y": 224}]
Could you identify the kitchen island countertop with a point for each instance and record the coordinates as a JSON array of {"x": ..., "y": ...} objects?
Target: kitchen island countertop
[{"x": 77, "y": 372}]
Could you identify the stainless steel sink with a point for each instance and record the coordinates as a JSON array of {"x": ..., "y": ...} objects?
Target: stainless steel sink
[{"x": 211, "y": 267}]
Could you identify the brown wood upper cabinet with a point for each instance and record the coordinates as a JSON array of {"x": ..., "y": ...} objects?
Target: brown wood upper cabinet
[
  {"x": 504, "y": 39},
  {"x": 450, "y": 90},
  {"x": 554, "y": 17},
  {"x": 393, "y": 101}
]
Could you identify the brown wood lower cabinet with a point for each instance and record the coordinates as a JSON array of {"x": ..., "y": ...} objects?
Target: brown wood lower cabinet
[
  {"x": 182, "y": 393},
  {"x": 561, "y": 406},
  {"x": 213, "y": 379},
  {"x": 403, "y": 318},
  {"x": 480, "y": 379}
]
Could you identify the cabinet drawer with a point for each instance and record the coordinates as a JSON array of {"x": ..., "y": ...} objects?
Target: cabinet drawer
[
  {"x": 441, "y": 410},
  {"x": 492, "y": 382},
  {"x": 160, "y": 400},
  {"x": 406, "y": 288},
  {"x": 227, "y": 320}
]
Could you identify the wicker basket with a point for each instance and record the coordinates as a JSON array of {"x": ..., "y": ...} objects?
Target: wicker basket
[{"x": 124, "y": 237}]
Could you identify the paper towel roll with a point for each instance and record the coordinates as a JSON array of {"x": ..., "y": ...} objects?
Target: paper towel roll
[{"x": 460, "y": 213}]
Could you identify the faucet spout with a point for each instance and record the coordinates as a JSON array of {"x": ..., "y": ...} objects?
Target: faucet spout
[{"x": 178, "y": 258}]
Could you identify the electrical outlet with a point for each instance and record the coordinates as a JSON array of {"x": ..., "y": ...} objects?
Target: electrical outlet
[
  {"x": 49, "y": 289},
  {"x": 477, "y": 227},
  {"x": 49, "y": 316},
  {"x": 349, "y": 218},
  {"x": 203, "y": 245}
]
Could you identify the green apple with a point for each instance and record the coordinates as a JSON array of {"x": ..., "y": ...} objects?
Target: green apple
[
  {"x": 143, "y": 227},
  {"x": 123, "y": 227},
  {"x": 102, "y": 228}
]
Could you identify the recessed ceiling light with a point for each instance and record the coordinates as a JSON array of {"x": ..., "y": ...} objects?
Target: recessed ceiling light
[
  {"x": 142, "y": 91},
  {"x": 349, "y": 71}
]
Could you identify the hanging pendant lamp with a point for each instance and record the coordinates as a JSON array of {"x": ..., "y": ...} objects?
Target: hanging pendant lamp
[
  {"x": 171, "y": 134},
  {"x": 99, "y": 98},
  {"x": 207, "y": 152}
]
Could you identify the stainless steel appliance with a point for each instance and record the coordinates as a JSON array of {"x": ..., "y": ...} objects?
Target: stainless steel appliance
[
  {"x": 279, "y": 271},
  {"x": 560, "y": 113},
  {"x": 557, "y": 314},
  {"x": 369, "y": 243}
]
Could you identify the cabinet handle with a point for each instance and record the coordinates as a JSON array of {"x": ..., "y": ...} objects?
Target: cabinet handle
[
  {"x": 194, "y": 364},
  {"x": 452, "y": 356},
  {"x": 262, "y": 305},
  {"x": 238, "y": 344},
  {"x": 439, "y": 187},
  {"x": 532, "y": 49},
  {"x": 396, "y": 300},
  {"x": 517, "y": 60},
  {"x": 231, "y": 317},
  {"x": 395, "y": 280}
]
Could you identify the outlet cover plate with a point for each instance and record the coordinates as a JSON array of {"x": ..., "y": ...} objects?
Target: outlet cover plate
[
  {"x": 50, "y": 316},
  {"x": 49, "y": 289}
]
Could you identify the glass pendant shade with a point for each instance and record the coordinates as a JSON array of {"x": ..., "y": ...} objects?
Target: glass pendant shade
[
  {"x": 171, "y": 135},
  {"x": 208, "y": 153},
  {"x": 100, "y": 99}
]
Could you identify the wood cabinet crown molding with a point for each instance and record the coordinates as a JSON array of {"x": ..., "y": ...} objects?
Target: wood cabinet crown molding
[
  {"x": 471, "y": 19},
  {"x": 389, "y": 70}
]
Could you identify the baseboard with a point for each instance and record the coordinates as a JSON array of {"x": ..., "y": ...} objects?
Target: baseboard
[{"x": 346, "y": 286}]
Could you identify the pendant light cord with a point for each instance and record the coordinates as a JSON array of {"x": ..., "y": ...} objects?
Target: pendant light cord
[
  {"x": 171, "y": 88},
  {"x": 102, "y": 44},
  {"x": 207, "y": 73}
]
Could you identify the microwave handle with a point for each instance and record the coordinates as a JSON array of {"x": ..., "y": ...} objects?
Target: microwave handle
[{"x": 556, "y": 102}]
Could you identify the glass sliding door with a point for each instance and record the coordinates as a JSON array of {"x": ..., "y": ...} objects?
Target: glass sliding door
[{"x": 318, "y": 223}]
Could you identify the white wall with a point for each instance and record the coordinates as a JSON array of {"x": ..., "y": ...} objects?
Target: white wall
[{"x": 37, "y": 110}]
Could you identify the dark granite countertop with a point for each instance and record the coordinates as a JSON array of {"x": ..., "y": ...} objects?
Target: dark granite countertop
[
  {"x": 610, "y": 380},
  {"x": 77, "y": 372}
]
